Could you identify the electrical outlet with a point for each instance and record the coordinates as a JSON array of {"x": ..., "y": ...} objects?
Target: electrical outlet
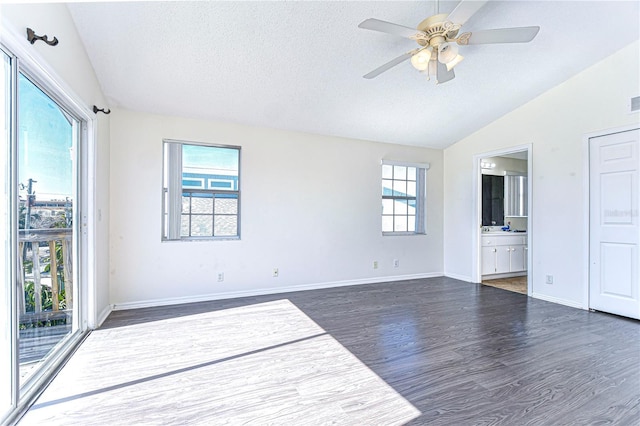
[
  {"x": 375, "y": 264},
  {"x": 549, "y": 279},
  {"x": 396, "y": 263},
  {"x": 275, "y": 272},
  {"x": 220, "y": 277}
]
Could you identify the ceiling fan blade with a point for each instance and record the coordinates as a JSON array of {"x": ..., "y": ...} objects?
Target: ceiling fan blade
[
  {"x": 443, "y": 75},
  {"x": 464, "y": 10},
  {"x": 390, "y": 28},
  {"x": 400, "y": 59},
  {"x": 504, "y": 35}
]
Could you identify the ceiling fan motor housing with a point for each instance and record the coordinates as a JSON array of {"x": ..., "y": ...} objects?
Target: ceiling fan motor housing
[{"x": 438, "y": 30}]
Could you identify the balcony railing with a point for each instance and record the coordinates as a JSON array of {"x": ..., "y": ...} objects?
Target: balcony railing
[{"x": 45, "y": 277}]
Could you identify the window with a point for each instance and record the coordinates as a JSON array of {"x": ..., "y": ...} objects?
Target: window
[
  {"x": 201, "y": 191},
  {"x": 515, "y": 195},
  {"x": 403, "y": 198}
]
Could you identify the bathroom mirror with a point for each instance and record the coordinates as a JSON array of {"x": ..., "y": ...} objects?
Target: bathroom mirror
[{"x": 492, "y": 200}]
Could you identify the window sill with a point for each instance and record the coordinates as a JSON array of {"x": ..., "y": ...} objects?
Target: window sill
[
  {"x": 391, "y": 234},
  {"x": 201, "y": 239}
]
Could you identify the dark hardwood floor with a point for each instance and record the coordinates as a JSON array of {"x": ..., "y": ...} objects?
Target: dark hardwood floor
[{"x": 434, "y": 351}]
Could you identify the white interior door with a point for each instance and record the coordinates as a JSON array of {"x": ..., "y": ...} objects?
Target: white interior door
[{"x": 614, "y": 249}]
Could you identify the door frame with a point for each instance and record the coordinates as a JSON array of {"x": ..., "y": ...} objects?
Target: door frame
[
  {"x": 586, "y": 220},
  {"x": 476, "y": 234}
]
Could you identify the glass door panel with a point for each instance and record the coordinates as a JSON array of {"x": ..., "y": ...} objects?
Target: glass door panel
[{"x": 46, "y": 301}]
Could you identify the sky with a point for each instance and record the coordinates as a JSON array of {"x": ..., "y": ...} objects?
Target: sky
[{"x": 45, "y": 140}]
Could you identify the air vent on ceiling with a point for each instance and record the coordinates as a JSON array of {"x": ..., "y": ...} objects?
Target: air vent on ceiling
[{"x": 634, "y": 104}]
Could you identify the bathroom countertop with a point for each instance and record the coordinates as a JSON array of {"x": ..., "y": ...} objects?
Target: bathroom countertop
[{"x": 495, "y": 233}]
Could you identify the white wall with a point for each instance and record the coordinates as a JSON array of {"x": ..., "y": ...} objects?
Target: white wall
[
  {"x": 70, "y": 65},
  {"x": 310, "y": 206},
  {"x": 554, "y": 123}
]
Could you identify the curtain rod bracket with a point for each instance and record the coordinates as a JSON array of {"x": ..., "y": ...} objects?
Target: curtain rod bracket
[
  {"x": 32, "y": 37},
  {"x": 102, "y": 110}
]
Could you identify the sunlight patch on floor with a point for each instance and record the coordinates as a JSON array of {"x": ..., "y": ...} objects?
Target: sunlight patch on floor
[{"x": 258, "y": 364}]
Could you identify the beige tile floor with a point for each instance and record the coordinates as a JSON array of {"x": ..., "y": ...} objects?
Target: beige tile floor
[{"x": 516, "y": 284}]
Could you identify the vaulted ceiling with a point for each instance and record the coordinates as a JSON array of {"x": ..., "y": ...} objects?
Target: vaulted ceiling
[{"x": 298, "y": 65}]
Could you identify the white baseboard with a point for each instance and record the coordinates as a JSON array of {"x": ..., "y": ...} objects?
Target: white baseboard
[
  {"x": 103, "y": 315},
  {"x": 459, "y": 277},
  {"x": 264, "y": 291},
  {"x": 558, "y": 300}
]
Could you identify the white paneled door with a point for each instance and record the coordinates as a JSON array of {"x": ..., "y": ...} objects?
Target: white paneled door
[{"x": 614, "y": 250}]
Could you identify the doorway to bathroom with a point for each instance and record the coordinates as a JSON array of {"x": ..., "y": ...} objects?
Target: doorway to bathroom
[{"x": 503, "y": 228}]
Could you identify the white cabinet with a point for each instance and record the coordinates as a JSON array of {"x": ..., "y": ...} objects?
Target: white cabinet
[
  {"x": 503, "y": 259},
  {"x": 517, "y": 258},
  {"x": 502, "y": 254},
  {"x": 489, "y": 260}
]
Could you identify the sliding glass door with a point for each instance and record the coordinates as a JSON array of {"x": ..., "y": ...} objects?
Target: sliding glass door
[
  {"x": 41, "y": 300},
  {"x": 46, "y": 226}
]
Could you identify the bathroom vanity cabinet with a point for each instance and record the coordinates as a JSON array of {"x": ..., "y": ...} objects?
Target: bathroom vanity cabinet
[{"x": 504, "y": 253}]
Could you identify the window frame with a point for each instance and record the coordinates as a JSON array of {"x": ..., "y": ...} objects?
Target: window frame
[
  {"x": 170, "y": 233},
  {"x": 420, "y": 198}
]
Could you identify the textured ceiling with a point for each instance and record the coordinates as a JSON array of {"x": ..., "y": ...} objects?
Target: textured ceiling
[{"x": 298, "y": 65}]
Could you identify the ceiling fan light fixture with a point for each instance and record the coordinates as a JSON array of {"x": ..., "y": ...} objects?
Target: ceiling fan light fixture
[
  {"x": 454, "y": 62},
  {"x": 420, "y": 60},
  {"x": 447, "y": 52}
]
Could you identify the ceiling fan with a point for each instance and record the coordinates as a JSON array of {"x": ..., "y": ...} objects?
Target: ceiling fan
[{"x": 438, "y": 37}]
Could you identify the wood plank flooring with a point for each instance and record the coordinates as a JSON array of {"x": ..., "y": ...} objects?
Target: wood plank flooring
[{"x": 434, "y": 351}]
